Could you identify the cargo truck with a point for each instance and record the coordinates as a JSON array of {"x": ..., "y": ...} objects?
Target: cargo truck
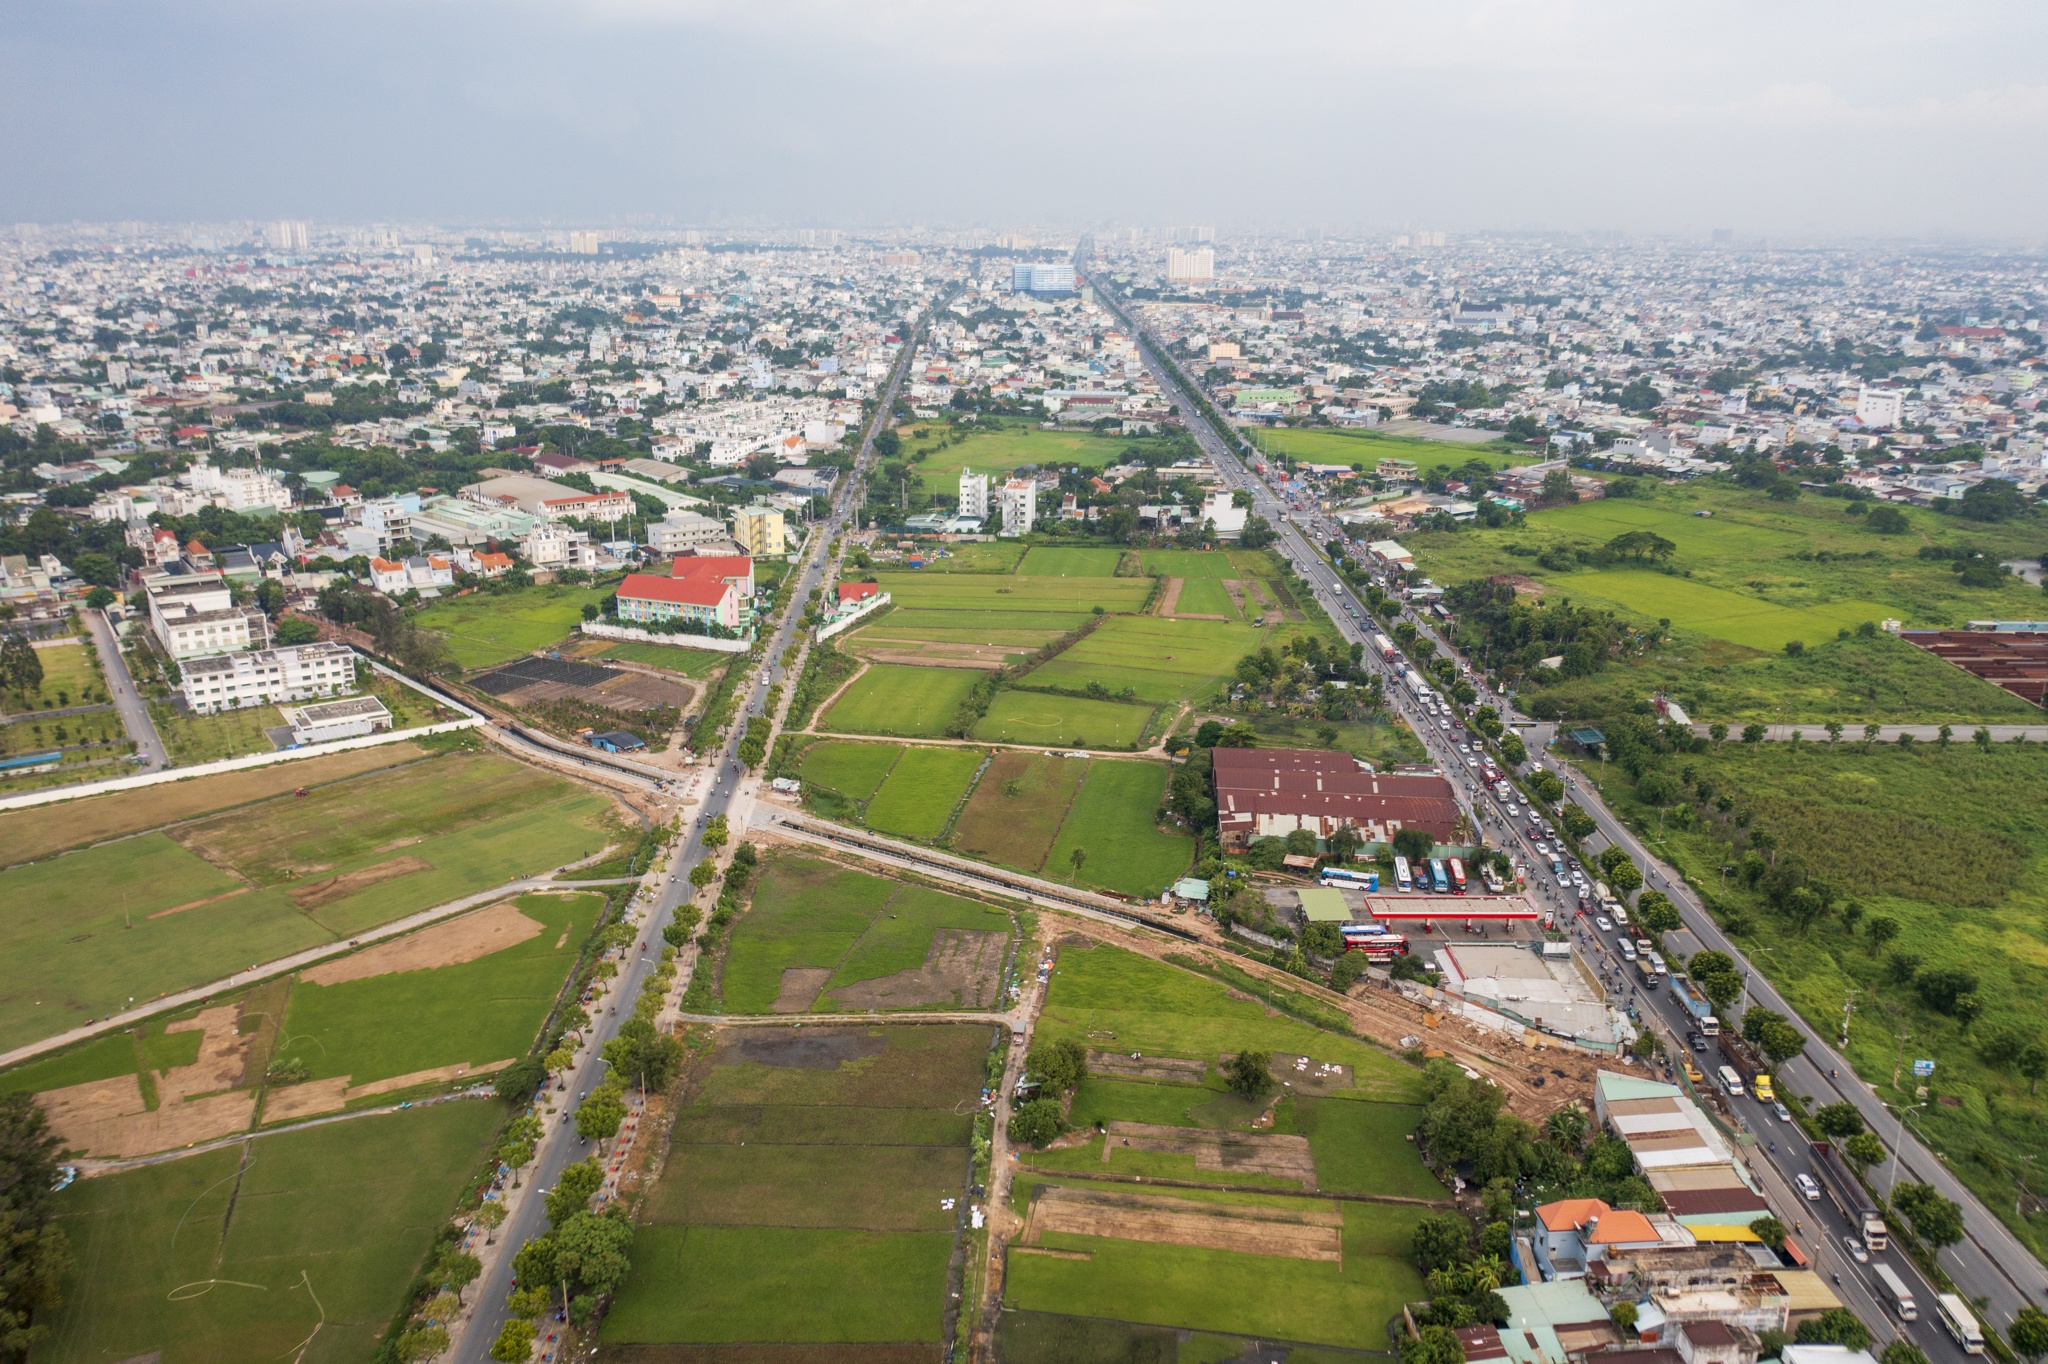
[
  {"x": 1744, "y": 1058},
  {"x": 1846, "y": 1192},
  {"x": 1698, "y": 1005}
]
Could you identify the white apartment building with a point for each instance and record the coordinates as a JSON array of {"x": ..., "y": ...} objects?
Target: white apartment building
[
  {"x": 556, "y": 546},
  {"x": 1017, "y": 500},
  {"x": 683, "y": 531},
  {"x": 1190, "y": 267},
  {"x": 193, "y": 615},
  {"x": 265, "y": 677},
  {"x": 1222, "y": 512},
  {"x": 1879, "y": 406},
  {"x": 973, "y": 495}
]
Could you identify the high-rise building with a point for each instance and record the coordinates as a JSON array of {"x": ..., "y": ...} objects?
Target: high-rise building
[
  {"x": 582, "y": 243},
  {"x": 285, "y": 235},
  {"x": 1041, "y": 277},
  {"x": 1017, "y": 500},
  {"x": 1879, "y": 406},
  {"x": 973, "y": 494},
  {"x": 1190, "y": 267}
]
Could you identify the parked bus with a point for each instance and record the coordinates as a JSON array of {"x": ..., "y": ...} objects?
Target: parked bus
[
  {"x": 1439, "y": 879},
  {"x": 1457, "y": 875},
  {"x": 1401, "y": 877},
  {"x": 1893, "y": 1288},
  {"x": 1344, "y": 876},
  {"x": 1376, "y": 940},
  {"x": 1960, "y": 1322}
]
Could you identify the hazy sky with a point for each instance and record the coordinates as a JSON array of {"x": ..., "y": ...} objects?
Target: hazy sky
[{"x": 1785, "y": 117}]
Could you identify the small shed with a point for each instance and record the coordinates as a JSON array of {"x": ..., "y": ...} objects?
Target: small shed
[
  {"x": 1192, "y": 888},
  {"x": 616, "y": 741}
]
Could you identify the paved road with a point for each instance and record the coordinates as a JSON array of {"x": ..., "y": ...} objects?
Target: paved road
[
  {"x": 128, "y": 703},
  {"x": 1989, "y": 1263},
  {"x": 729, "y": 792}
]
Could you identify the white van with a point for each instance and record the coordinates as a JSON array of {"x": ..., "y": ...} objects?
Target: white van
[{"x": 1628, "y": 950}]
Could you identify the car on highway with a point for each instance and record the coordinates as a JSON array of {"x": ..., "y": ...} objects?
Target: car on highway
[
  {"x": 1807, "y": 1186},
  {"x": 1603, "y": 923},
  {"x": 1699, "y": 1043},
  {"x": 1856, "y": 1250},
  {"x": 1784, "y": 1114}
]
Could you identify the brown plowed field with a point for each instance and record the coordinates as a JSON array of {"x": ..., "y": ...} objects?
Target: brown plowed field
[
  {"x": 1259, "y": 1153},
  {"x": 1309, "y": 1232}
]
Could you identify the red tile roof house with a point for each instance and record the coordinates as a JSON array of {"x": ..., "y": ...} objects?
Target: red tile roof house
[{"x": 1269, "y": 792}]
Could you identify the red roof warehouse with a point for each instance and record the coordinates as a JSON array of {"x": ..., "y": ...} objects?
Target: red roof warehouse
[{"x": 1264, "y": 792}]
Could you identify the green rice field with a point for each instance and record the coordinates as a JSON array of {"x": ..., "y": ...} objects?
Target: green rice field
[
  {"x": 1026, "y": 717},
  {"x": 1114, "y": 819},
  {"x": 918, "y": 798},
  {"x": 1163, "y": 660},
  {"x": 1017, "y": 808},
  {"x": 853, "y": 770},
  {"x": 485, "y": 628}
]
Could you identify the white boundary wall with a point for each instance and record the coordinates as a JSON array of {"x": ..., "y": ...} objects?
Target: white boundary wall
[
  {"x": 723, "y": 646},
  {"x": 852, "y": 618},
  {"x": 51, "y": 795}
]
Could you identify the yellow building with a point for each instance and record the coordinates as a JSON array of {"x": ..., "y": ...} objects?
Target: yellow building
[{"x": 758, "y": 529}]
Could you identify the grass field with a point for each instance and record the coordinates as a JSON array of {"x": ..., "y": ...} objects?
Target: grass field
[
  {"x": 1189, "y": 563},
  {"x": 323, "y": 1229},
  {"x": 998, "y": 452},
  {"x": 190, "y": 739},
  {"x": 71, "y": 677},
  {"x": 489, "y": 628},
  {"x": 1206, "y": 597},
  {"x": 988, "y": 617},
  {"x": 853, "y": 770},
  {"x": 799, "y": 1202},
  {"x": 917, "y": 703},
  {"x": 1951, "y": 845},
  {"x": 90, "y": 943},
  {"x": 1754, "y": 574},
  {"x": 809, "y": 913},
  {"x": 1345, "y": 1303},
  {"x": 1017, "y": 808},
  {"x": 472, "y": 1013},
  {"x": 1062, "y": 561},
  {"x": 1161, "y": 1010},
  {"x": 43, "y": 829},
  {"x": 921, "y": 791},
  {"x": 1164, "y": 660},
  {"x": 1025, "y": 717},
  {"x": 1347, "y": 447},
  {"x": 1381, "y": 744},
  {"x": 1113, "y": 817}
]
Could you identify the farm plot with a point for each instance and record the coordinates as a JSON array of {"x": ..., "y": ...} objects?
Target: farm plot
[
  {"x": 923, "y": 790},
  {"x": 1734, "y": 616},
  {"x": 1114, "y": 820},
  {"x": 852, "y": 770},
  {"x": 917, "y": 703},
  {"x": 1173, "y": 1262},
  {"x": 1162, "y": 659},
  {"x": 1063, "y": 561},
  {"x": 1015, "y": 445},
  {"x": 495, "y": 627},
  {"x": 835, "y": 1237},
  {"x": 301, "y": 1247},
  {"x": 986, "y": 620},
  {"x": 1027, "y": 717},
  {"x": 1343, "y": 447},
  {"x": 692, "y": 663},
  {"x": 469, "y": 993},
  {"x": 820, "y": 937},
  {"x": 1017, "y": 808},
  {"x": 557, "y": 679}
]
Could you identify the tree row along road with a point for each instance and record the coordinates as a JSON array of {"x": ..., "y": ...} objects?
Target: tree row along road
[
  {"x": 559, "y": 1146},
  {"x": 1990, "y": 1262}
]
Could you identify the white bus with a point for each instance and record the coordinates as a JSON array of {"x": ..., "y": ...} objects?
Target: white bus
[
  {"x": 1401, "y": 877},
  {"x": 1891, "y": 1286},
  {"x": 1960, "y": 1322}
]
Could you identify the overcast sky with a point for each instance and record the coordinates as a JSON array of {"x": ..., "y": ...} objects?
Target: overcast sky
[{"x": 1789, "y": 117}]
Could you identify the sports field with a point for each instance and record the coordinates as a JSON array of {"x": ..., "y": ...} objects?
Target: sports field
[
  {"x": 302, "y": 1249},
  {"x": 1026, "y": 717},
  {"x": 800, "y": 1199},
  {"x": 1358, "y": 447},
  {"x": 1017, "y": 808},
  {"x": 150, "y": 914},
  {"x": 469, "y": 1013},
  {"x": 1113, "y": 818},
  {"x": 918, "y": 797},
  {"x": 1062, "y": 561},
  {"x": 1163, "y": 660},
  {"x": 998, "y": 452},
  {"x": 816, "y": 931},
  {"x": 917, "y": 703},
  {"x": 486, "y": 628}
]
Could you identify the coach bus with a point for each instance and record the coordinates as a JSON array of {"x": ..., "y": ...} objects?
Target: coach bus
[
  {"x": 1401, "y": 877},
  {"x": 1960, "y": 1322},
  {"x": 1373, "y": 939},
  {"x": 1439, "y": 879},
  {"x": 1344, "y": 876},
  {"x": 1457, "y": 875}
]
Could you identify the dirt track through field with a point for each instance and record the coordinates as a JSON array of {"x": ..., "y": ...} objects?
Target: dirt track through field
[
  {"x": 333, "y": 888},
  {"x": 1169, "y": 596},
  {"x": 1307, "y": 1232},
  {"x": 314, "y": 1097},
  {"x": 444, "y": 944},
  {"x": 1259, "y": 1153}
]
